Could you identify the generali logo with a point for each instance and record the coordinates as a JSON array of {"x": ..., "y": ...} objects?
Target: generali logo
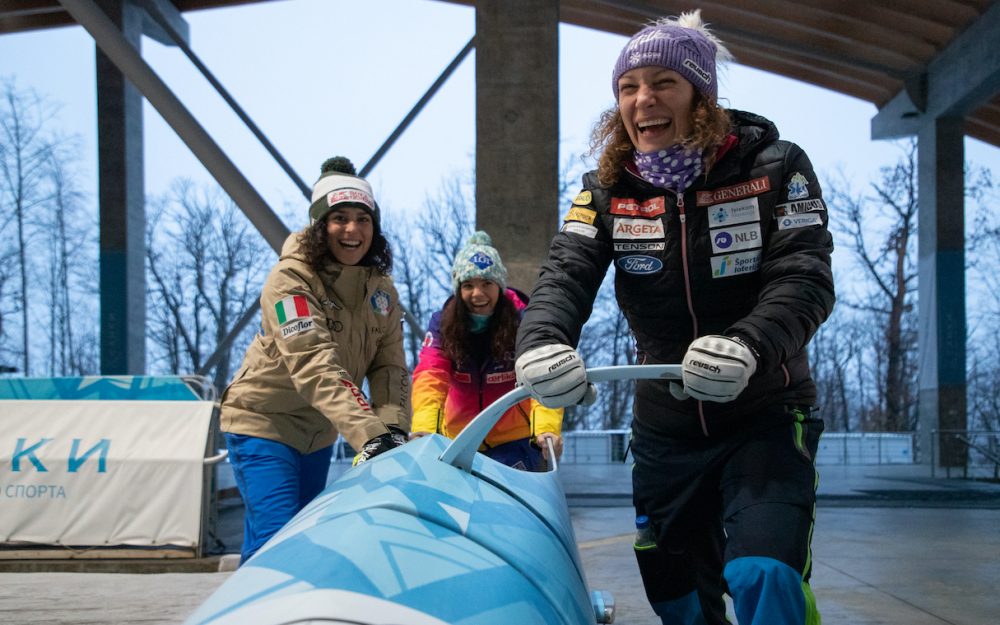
[{"x": 735, "y": 192}]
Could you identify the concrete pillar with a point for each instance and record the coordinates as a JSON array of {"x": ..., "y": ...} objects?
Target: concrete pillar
[
  {"x": 517, "y": 130},
  {"x": 942, "y": 402},
  {"x": 122, "y": 211}
]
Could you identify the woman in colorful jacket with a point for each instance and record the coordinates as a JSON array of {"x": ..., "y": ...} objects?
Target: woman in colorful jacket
[
  {"x": 330, "y": 319},
  {"x": 467, "y": 362},
  {"x": 718, "y": 233}
]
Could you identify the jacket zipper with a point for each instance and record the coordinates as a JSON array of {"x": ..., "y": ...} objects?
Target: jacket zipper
[{"x": 687, "y": 293}]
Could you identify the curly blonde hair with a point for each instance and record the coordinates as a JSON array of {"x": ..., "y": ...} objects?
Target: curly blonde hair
[{"x": 609, "y": 138}]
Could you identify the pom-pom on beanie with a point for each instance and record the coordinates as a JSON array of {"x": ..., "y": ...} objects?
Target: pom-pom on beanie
[
  {"x": 339, "y": 185},
  {"x": 682, "y": 44},
  {"x": 478, "y": 259}
]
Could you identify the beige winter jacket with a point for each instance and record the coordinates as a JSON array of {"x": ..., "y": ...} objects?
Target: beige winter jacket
[{"x": 322, "y": 334}]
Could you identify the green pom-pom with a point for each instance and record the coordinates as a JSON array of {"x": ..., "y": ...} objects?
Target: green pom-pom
[
  {"x": 480, "y": 238},
  {"x": 340, "y": 164}
]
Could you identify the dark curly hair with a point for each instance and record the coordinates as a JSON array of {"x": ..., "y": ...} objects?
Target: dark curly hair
[
  {"x": 456, "y": 335},
  {"x": 313, "y": 240}
]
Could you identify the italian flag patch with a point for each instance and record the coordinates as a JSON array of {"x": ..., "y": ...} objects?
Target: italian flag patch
[
  {"x": 291, "y": 308},
  {"x": 293, "y": 316}
]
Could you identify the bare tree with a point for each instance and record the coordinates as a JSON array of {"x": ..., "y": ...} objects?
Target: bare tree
[
  {"x": 424, "y": 248},
  {"x": 983, "y": 285},
  {"x": 206, "y": 265},
  {"x": 70, "y": 237},
  {"x": 880, "y": 230},
  {"x": 25, "y": 148}
]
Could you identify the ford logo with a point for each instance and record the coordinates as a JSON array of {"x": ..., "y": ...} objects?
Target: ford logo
[{"x": 639, "y": 264}]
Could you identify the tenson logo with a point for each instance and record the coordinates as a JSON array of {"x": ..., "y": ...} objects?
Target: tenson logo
[
  {"x": 639, "y": 264},
  {"x": 27, "y": 454}
]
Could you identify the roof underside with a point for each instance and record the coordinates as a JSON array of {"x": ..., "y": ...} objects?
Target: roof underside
[{"x": 872, "y": 50}]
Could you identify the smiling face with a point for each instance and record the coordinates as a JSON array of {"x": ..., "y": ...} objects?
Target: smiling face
[
  {"x": 655, "y": 104},
  {"x": 349, "y": 233},
  {"x": 480, "y": 296}
]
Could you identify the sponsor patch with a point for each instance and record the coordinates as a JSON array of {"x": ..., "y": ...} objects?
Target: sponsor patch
[
  {"x": 736, "y": 238},
  {"x": 293, "y": 315},
  {"x": 735, "y": 264},
  {"x": 481, "y": 260},
  {"x": 797, "y": 208},
  {"x": 797, "y": 187},
  {"x": 358, "y": 395},
  {"x": 628, "y": 207},
  {"x": 584, "y": 230},
  {"x": 462, "y": 377},
  {"x": 583, "y": 198},
  {"x": 730, "y": 213},
  {"x": 639, "y": 246},
  {"x": 799, "y": 221},
  {"x": 584, "y": 215},
  {"x": 701, "y": 73},
  {"x": 296, "y": 327},
  {"x": 638, "y": 228},
  {"x": 734, "y": 192},
  {"x": 350, "y": 195},
  {"x": 291, "y": 308},
  {"x": 639, "y": 264},
  {"x": 381, "y": 302},
  {"x": 501, "y": 377}
]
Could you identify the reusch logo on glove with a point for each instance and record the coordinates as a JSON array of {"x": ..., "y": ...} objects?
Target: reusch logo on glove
[
  {"x": 561, "y": 362},
  {"x": 705, "y": 366}
]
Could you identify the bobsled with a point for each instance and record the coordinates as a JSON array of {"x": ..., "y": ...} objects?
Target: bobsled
[{"x": 430, "y": 533}]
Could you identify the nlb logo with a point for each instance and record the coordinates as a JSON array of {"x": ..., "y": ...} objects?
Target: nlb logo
[
  {"x": 639, "y": 264},
  {"x": 723, "y": 240}
]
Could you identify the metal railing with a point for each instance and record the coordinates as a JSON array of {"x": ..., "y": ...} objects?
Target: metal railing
[{"x": 980, "y": 448}]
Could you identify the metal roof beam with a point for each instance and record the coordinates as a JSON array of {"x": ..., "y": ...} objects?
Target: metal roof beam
[
  {"x": 163, "y": 10},
  {"x": 963, "y": 77}
]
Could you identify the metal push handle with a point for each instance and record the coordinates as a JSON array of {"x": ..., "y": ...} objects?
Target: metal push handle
[{"x": 463, "y": 449}]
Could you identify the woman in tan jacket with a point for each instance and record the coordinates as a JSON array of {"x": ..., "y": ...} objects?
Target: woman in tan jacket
[{"x": 330, "y": 319}]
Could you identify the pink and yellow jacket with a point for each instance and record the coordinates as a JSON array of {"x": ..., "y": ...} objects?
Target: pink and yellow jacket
[{"x": 445, "y": 397}]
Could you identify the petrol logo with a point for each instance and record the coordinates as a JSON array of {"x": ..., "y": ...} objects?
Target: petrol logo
[{"x": 639, "y": 264}]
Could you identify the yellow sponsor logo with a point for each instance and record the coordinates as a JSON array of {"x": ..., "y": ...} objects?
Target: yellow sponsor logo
[
  {"x": 585, "y": 215},
  {"x": 583, "y": 198}
]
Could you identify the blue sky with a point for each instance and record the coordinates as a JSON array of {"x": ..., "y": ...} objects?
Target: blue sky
[{"x": 325, "y": 77}]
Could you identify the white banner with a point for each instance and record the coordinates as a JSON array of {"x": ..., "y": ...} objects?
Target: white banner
[{"x": 102, "y": 473}]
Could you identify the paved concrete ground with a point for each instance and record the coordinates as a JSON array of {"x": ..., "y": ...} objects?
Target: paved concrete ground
[{"x": 892, "y": 547}]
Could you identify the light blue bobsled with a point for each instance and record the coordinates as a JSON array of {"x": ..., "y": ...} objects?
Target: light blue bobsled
[{"x": 431, "y": 533}]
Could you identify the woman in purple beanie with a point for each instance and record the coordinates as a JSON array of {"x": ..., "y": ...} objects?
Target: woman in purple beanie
[{"x": 718, "y": 233}]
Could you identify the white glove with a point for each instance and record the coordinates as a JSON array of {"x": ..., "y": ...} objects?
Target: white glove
[
  {"x": 554, "y": 375},
  {"x": 717, "y": 368}
]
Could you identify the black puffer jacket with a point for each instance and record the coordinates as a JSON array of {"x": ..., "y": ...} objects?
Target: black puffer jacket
[{"x": 745, "y": 252}]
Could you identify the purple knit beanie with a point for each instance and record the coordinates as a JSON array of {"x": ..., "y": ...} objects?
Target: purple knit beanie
[{"x": 683, "y": 45}]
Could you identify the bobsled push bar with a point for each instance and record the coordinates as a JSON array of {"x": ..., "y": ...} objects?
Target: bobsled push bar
[{"x": 463, "y": 449}]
